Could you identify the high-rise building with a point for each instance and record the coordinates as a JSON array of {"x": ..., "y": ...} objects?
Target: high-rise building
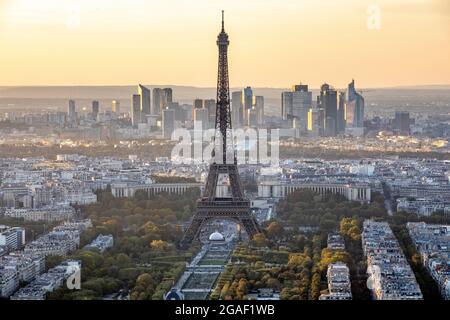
[
  {"x": 296, "y": 104},
  {"x": 179, "y": 112},
  {"x": 168, "y": 123},
  {"x": 321, "y": 113},
  {"x": 340, "y": 121},
  {"x": 313, "y": 122},
  {"x": 354, "y": 111},
  {"x": 286, "y": 105},
  {"x": 198, "y": 103},
  {"x": 252, "y": 117},
  {"x": 259, "y": 106},
  {"x": 71, "y": 111},
  {"x": 316, "y": 122},
  {"x": 201, "y": 115},
  {"x": 135, "y": 111},
  {"x": 162, "y": 98},
  {"x": 115, "y": 107},
  {"x": 167, "y": 97},
  {"x": 157, "y": 103},
  {"x": 237, "y": 108},
  {"x": 402, "y": 123},
  {"x": 247, "y": 102},
  {"x": 300, "y": 88},
  {"x": 188, "y": 111},
  {"x": 144, "y": 95},
  {"x": 95, "y": 109},
  {"x": 210, "y": 105},
  {"x": 327, "y": 100},
  {"x": 301, "y": 103}
]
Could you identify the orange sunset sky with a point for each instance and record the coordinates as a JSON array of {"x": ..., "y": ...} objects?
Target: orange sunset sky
[{"x": 274, "y": 43}]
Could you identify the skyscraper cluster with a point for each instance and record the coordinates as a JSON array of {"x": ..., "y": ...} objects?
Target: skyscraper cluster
[
  {"x": 204, "y": 111},
  {"x": 246, "y": 108},
  {"x": 142, "y": 108},
  {"x": 73, "y": 118},
  {"x": 334, "y": 113}
]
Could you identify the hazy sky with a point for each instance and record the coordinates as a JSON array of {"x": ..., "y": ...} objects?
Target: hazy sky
[{"x": 274, "y": 43}]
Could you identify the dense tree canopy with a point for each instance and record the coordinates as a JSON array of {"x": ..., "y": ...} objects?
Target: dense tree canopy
[{"x": 145, "y": 258}]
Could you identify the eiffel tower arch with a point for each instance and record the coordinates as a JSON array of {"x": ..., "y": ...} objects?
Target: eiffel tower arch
[{"x": 212, "y": 205}]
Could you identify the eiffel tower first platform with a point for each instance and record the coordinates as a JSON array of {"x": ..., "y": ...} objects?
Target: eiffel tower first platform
[{"x": 210, "y": 206}]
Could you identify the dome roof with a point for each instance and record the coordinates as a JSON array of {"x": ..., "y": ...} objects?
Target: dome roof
[
  {"x": 216, "y": 236},
  {"x": 174, "y": 294}
]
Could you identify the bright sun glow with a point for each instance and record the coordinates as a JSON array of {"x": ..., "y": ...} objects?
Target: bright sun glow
[{"x": 29, "y": 11}]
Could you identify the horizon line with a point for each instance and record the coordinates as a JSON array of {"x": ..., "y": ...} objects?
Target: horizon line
[{"x": 211, "y": 87}]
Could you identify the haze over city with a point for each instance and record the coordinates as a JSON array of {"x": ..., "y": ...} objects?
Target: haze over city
[{"x": 275, "y": 43}]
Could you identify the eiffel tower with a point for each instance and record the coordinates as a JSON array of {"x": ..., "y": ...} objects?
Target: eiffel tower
[{"x": 210, "y": 207}]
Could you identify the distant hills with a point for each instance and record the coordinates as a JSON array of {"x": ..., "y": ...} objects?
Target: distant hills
[
  {"x": 425, "y": 87},
  {"x": 118, "y": 92},
  {"x": 181, "y": 93}
]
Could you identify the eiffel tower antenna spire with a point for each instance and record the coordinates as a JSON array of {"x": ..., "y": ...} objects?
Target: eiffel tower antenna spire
[{"x": 223, "y": 20}]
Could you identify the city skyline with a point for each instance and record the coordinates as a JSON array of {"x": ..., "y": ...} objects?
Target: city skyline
[{"x": 273, "y": 46}]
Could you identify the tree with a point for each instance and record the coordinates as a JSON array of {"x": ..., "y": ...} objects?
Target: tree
[
  {"x": 275, "y": 230},
  {"x": 332, "y": 256},
  {"x": 241, "y": 288},
  {"x": 349, "y": 227},
  {"x": 260, "y": 240},
  {"x": 224, "y": 292},
  {"x": 273, "y": 283},
  {"x": 144, "y": 280},
  {"x": 158, "y": 245},
  {"x": 122, "y": 260},
  {"x": 140, "y": 195},
  {"x": 415, "y": 258},
  {"x": 315, "y": 286},
  {"x": 296, "y": 259}
]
